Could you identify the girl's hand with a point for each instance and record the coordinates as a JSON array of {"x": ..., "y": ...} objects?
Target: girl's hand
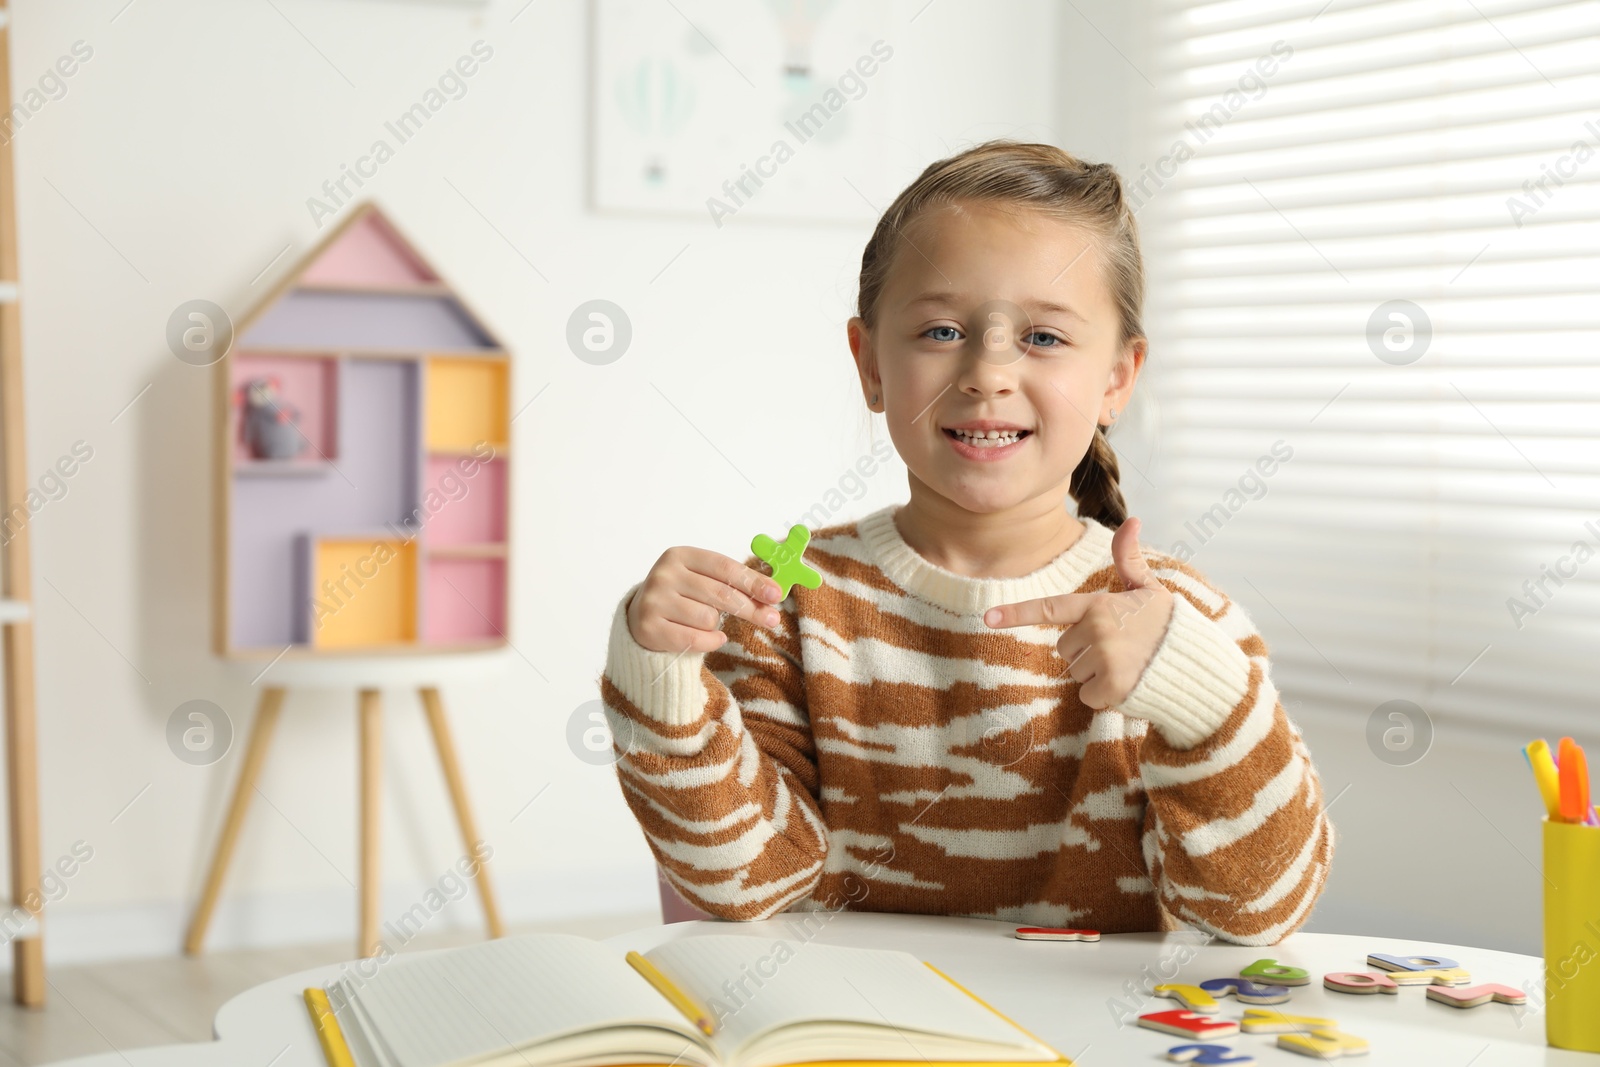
[
  {"x": 1110, "y": 637},
  {"x": 684, "y": 597}
]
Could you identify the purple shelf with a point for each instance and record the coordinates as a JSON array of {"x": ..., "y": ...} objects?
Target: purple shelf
[
  {"x": 409, "y": 322},
  {"x": 373, "y": 483}
]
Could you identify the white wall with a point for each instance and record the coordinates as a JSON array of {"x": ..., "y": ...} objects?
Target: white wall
[{"x": 176, "y": 167}]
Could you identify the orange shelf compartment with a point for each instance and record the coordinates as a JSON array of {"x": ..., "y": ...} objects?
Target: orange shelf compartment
[
  {"x": 363, "y": 592},
  {"x": 467, "y": 404}
]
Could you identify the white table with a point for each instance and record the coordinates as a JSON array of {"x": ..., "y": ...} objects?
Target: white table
[{"x": 1061, "y": 991}]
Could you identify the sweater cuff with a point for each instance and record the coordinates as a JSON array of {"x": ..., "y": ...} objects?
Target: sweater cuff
[
  {"x": 1194, "y": 682},
  {"x": 665, "y": 686}
]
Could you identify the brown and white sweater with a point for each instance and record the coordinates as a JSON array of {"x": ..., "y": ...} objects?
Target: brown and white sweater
[{"x": 885, "y": 750}]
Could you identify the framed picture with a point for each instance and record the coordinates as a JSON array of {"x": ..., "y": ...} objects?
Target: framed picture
[{"x": 755, "y": 110}]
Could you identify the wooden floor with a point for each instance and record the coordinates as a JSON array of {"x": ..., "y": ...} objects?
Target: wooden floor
[{"x": 133, "y": 1003}]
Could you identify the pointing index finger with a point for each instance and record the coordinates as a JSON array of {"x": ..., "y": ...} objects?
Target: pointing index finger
[{"x": 1063, "y": 609}]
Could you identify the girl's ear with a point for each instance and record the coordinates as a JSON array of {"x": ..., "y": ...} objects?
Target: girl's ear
[
  {"x": 866, "y": 358},
  {"x": 1119, "y": 389}
]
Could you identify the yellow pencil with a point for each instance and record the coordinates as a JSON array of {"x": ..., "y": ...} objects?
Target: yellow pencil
[
  {"x": 680, "y": 1000},
  {"x": 334, "y": 1049},
  {"x": 1544, "y": 773}
]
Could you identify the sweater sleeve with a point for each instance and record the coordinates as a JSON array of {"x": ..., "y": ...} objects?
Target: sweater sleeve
[
  {"x": 716, "y": 760},
  {"x": 1235, "y": 833}
]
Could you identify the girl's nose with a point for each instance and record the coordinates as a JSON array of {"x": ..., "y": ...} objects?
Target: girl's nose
[{"x": 989, "y": 369}]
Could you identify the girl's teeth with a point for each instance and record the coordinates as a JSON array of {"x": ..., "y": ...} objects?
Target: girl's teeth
[{"x": 988, "y": 439}]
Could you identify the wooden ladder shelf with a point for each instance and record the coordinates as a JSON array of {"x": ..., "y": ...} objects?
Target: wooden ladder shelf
[{"x": 16, "y": 589}]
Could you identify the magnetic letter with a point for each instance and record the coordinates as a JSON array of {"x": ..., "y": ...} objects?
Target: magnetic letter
[
  {"x": 1359, "y": 982},
  {"x": 1189, "y": 1024},
  {"x": 1276, "y": 973}
]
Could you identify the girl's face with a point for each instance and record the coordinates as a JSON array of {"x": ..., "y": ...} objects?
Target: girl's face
[{"x": 995, "y": 354}]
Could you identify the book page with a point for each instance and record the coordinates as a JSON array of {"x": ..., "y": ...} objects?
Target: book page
[
  {"x": 499, "y": 996},
  {"x": 755, "y": 985}
]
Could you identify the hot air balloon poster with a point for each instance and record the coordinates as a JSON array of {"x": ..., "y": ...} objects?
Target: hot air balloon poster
[{"x": 771, "y": 109}]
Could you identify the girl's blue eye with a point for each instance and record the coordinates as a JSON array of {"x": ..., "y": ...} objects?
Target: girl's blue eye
[{"x": 1036, "y": 339}]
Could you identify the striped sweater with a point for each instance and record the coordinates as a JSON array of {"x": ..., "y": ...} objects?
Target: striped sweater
[{"x": 885, "y": 750}]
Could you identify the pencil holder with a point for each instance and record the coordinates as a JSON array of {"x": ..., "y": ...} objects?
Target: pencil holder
[{"x": 1572, "y": 936}]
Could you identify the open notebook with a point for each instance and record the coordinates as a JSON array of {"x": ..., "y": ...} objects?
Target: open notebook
[{"x": 554, "y": 1000}]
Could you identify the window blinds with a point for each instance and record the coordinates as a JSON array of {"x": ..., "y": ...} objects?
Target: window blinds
[{"x": 1372, "y": 234}]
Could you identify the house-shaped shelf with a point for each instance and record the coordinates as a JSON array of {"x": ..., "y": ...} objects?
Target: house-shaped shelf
[{"x": 363, "y": 460}]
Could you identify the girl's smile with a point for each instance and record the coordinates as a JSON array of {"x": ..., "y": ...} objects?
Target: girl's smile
[{"x": 987, "y": 441}]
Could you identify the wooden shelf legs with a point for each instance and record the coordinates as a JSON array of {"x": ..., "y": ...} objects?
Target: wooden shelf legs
[
  {"x": 255, "y": 754},
  {"x": 369, "y": 711},
  {"x": 434, "y": 708},
  {"x": 371, "y": 878}
]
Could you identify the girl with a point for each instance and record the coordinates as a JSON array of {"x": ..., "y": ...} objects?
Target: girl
[{"x": 990, "y": 707}]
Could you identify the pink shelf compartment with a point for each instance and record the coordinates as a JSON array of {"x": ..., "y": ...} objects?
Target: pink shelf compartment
[
  {"x": 369, "y": 254},
  {"x": 464, "y": 600},
  {"x": 470, "y": 510},
  {"x": 310, "y": 384}
]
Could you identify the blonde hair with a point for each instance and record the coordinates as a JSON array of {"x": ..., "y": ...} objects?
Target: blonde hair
[{"x": 1048, "y": 179}]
